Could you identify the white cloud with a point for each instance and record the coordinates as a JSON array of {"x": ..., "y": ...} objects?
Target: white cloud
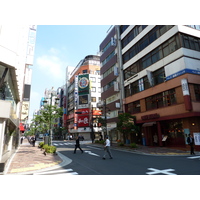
[{"x": 51, "y": 64}]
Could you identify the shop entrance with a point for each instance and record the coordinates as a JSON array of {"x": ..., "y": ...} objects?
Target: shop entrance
[{"x": 149, "y": 130}]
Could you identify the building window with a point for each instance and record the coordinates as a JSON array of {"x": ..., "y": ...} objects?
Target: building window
[
  {"x": 108, "y": 58},
  {"x": 157, "y": 54},
  {"x": 85, "y": 71},
  {"x": 109, "y": 71},
  {"x": 93, "y": 89},
  {"x": 162, "y": 99},
  {"x": 159, "y": 76},
  {"x": 93, "y": 79},
  {"x": 133, "y": 107},
  {"x": 154, "y": 34},
  {"x": 197, "y": 92},
  {"x": 132, "y": 34},
  {"x": 123, "y": 28},
  {"x": 109, "y": 85},
  {"x": 190, "y": 42},
  {"x": 93, "y": 99}
]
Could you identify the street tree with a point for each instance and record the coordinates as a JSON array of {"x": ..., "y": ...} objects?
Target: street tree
[
  {"x": 126, "y": 125},
  {"x": 47, "y": 118}
]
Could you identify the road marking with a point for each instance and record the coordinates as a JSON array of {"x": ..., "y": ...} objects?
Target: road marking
[
  {"x": 69, "y": 143},
  {"x": 73, "y": 173},
  {"x": 55, "y": 144},
  {"x": 53, "y": 172},
  {"x": 90, "y": 153},
  {"x": 95, "y": 148},
  {"x": 157, "y": 171},
  {"x": 193, "y": 157}
]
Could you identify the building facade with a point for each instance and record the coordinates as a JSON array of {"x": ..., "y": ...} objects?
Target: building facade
[
  {"x": 83, "y": 94},
  {"x": 161, "y": 72},
  {"x": 16, "y": 55},
  {"x": 111, "y": 82}
]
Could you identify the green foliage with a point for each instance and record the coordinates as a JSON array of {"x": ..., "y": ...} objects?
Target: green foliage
[
  {"x": 133, "y": 145},
  {"x": 121, "y": 144},
  {"x": 46, "y": 119},
  {"x": 99, "y": 142},
  {"x": 50, "y": 149},
  {"x": 127, "y": 125},
  {"x": 45, "y": 146},
  {"x": 41, "y": 144}
]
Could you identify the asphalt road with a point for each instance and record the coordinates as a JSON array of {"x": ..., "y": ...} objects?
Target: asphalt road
[{"x": 124, "y": 163}]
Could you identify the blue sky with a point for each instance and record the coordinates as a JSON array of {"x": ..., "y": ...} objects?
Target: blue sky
[{"x": 59, "y": 46}]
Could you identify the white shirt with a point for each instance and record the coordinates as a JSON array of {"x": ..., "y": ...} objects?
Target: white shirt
[{"x": 107, "y": 142}]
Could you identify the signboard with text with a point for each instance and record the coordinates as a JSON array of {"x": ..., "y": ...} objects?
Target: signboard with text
[{"x": 83, "y": 120}]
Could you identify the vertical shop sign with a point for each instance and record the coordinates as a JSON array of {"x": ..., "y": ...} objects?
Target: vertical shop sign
[
  {"x": 196, "y": 138},
  {"x": 83, "y": 84},
  {"x": 186, "y": 94}
]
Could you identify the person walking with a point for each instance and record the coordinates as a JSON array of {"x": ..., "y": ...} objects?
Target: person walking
[
  {"x": 190, "y": 141},
  {"x": 33, "y": 139},
  {"x": 77, "y": 145},
  {"x": 107, "y": 149},
  {"x": 21, "y": 140}
]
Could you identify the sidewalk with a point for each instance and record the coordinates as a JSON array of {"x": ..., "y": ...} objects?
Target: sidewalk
[
  {"x": 29, "y": 159},
  {"x": 155, "y": 150}
]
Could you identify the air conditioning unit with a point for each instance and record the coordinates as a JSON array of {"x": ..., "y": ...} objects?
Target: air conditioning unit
[
  {"x": 113, "y": 41},
  {"x": 116, "y": 86},
  {"x": 116, "y": 73},
  {"x": 117, "y": 105}
]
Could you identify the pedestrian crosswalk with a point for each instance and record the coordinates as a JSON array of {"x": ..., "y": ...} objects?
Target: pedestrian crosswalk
[
  {"x": 69, "y": 143},
  {"x": 57, "y": 172}
]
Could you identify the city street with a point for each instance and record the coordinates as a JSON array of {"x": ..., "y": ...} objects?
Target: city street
[{"x": 123, "y": 163}]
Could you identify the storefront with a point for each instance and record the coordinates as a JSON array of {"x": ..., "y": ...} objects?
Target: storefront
[{"x": 171, "y": 133}]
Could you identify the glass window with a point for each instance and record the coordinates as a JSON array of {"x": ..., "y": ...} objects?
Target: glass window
[
  {"x": 186, "y": 42},
  {"x": 166, "y": 51},
  {"x": 93, "y": 79},
  {"x": 191, "y": 41},
  {"x": 146, "y": 61},
  {"x": 197, "y": 92},
  {"x": 85, "y": 71},
  {"x": 93, "y": 89},
  {"x": 93, "y": 99},
  {"x": 133, "y": 107},
  {"x": 196, "y": 44}
]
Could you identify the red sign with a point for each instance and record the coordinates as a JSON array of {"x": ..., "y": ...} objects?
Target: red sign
[
  {"x": 85, "y": 111},
  {"x": 96, "y": 112},
  {"x": 83, "y": 121}
]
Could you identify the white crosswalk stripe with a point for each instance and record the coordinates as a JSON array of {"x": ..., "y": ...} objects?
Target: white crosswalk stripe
[
  {"x": 193, "y": 157},
  {"x": 57, "y": 172}
]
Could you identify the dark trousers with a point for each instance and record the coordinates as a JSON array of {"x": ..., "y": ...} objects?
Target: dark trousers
[
  {"x": 77, "y": 146},
  {"x": 191, "y": 149}
]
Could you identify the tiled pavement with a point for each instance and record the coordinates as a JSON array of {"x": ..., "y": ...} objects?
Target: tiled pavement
[{"x": 29, "y": 158}]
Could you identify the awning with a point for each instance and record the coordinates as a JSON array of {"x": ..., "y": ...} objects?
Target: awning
[{"x": 148, "y": 124}]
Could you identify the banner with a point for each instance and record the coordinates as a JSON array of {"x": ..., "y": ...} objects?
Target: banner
[{"x": 83, "y": 84}]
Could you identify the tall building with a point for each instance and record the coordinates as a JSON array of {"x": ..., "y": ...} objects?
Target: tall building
[
  {"x": 83, "y": 94},
  {"x": 161, "y": 72},
  {"x": 110, "y": 82},
  {"x": 16, "y": 55}
]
